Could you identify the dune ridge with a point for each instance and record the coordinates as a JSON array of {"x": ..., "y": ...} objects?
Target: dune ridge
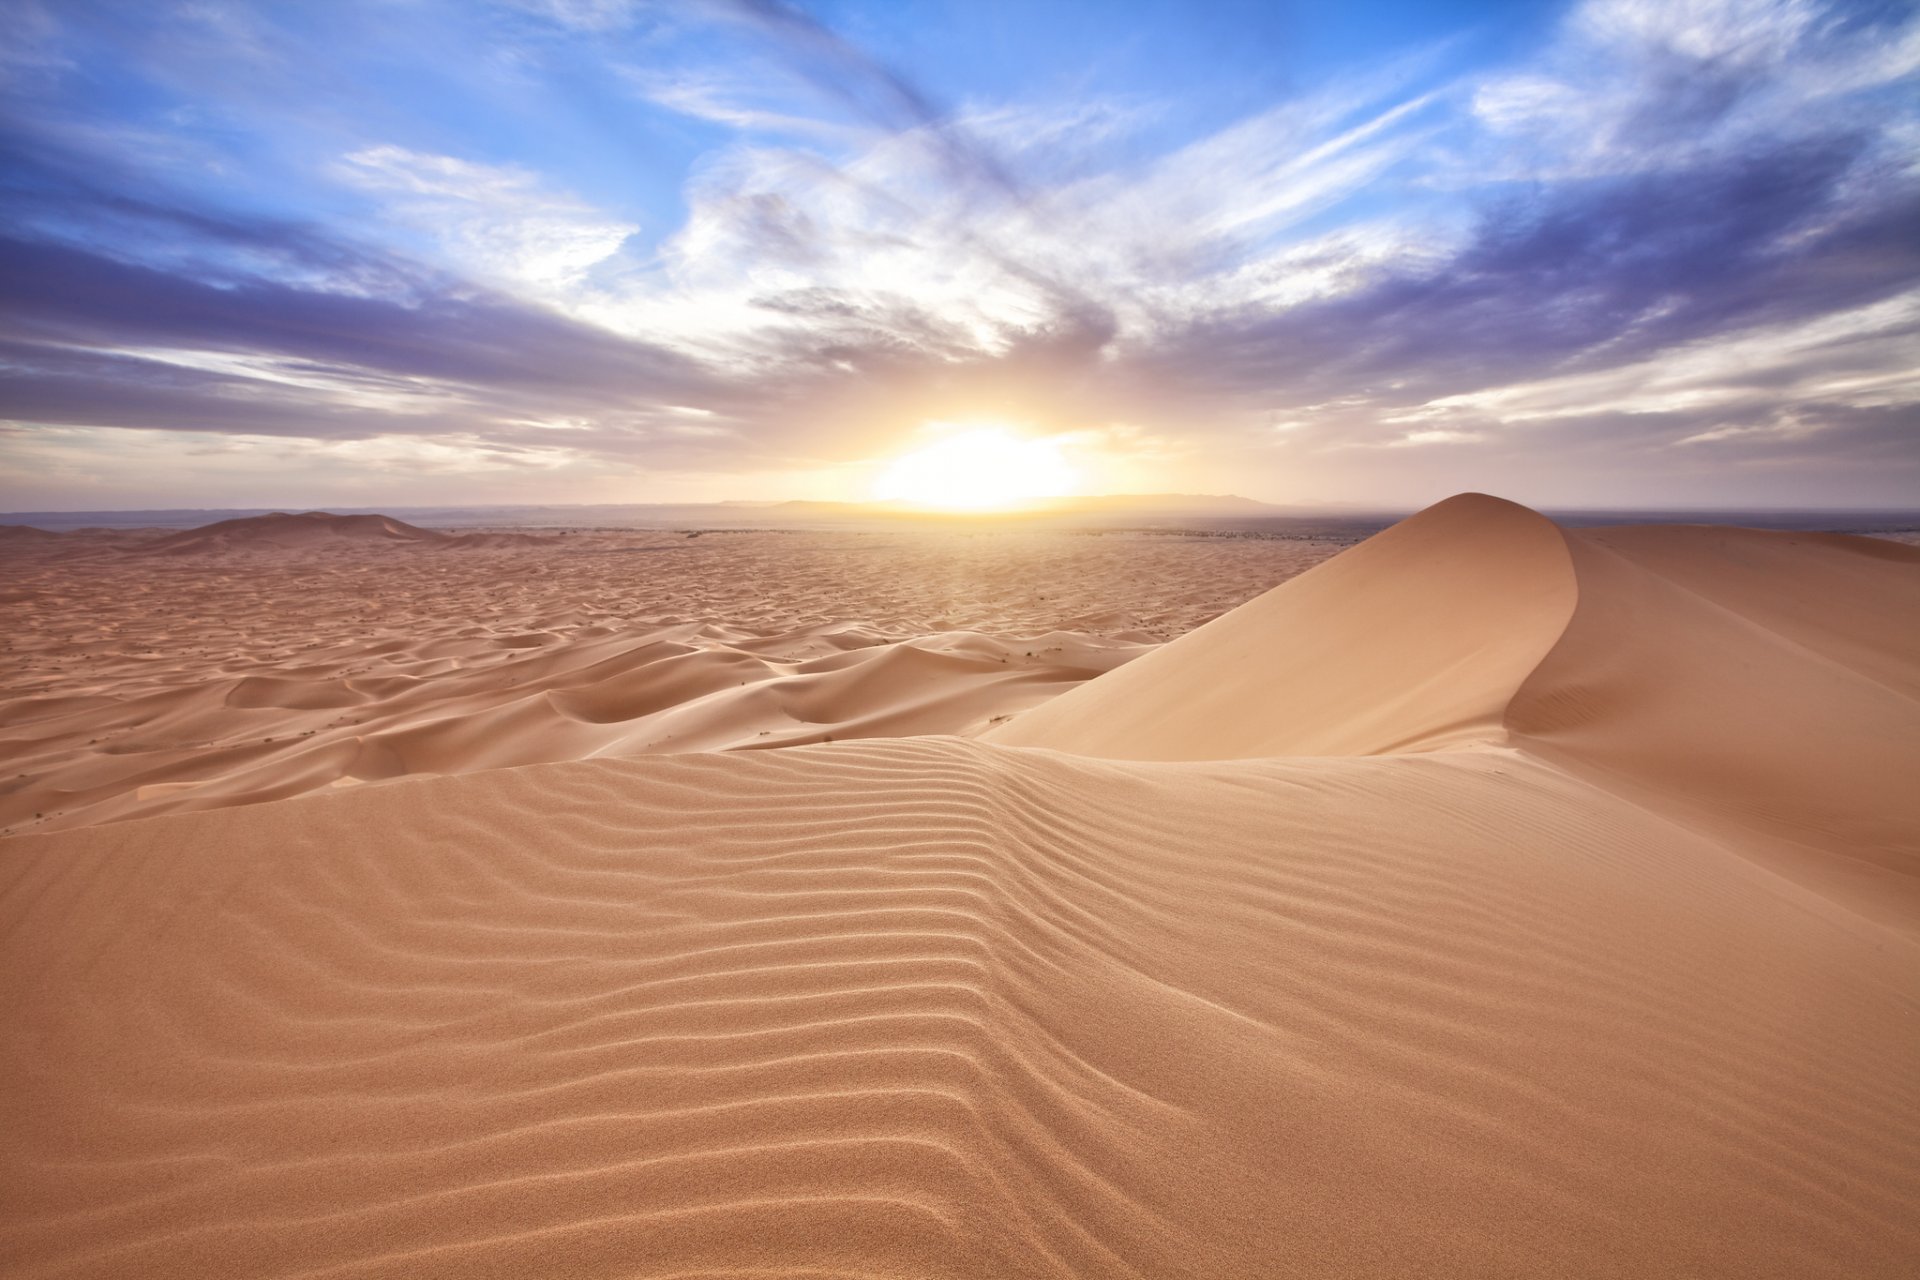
[
  {"x": 1413, "y": 640},
  {"x": 1758, "y": 684},
  {"x": 1512, "y": 976}
]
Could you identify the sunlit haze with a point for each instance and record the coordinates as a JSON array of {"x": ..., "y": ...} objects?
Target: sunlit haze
[
  {"x": 976, "y": 469},
  {"x": 1587, "y": 253}
]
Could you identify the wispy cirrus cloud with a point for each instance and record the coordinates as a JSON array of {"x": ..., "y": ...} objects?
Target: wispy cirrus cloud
[{"x": 497, "y": 222}]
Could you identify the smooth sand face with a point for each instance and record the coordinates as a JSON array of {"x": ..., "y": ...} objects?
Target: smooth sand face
[
  {"x": 1512, "y": 986},
  {"x": 1391, "y": 647},
  {"x": 260, "y": 659}
]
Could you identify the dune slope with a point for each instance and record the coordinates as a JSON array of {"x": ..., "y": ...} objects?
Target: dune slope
[
  {"x": 1763, "y": 687},
  {"x": 1478, "y": 989},
  {"x": 1758, "y": 686},
  {"x": 1413, "y": 640}
]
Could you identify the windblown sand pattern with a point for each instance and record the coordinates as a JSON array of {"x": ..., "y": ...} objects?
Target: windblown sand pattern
[
  {"x": 1449, "y": 949},
  {"x": 263, "y": 658}
]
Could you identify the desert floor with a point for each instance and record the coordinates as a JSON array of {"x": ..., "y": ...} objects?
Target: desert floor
[
  {"x": 1490, "y": 899},
  {"x": 154, "y": 673}
]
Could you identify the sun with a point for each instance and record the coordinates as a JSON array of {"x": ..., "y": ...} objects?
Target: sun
[{"x": 982, "y": 468}]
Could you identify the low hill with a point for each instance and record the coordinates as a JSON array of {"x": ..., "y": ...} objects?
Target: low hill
[{"x": 281, "y": 531}]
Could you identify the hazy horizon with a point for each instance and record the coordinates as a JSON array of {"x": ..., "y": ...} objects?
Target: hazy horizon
[
  {"x": 1604, "y": 255},
  {"x": 1354, "y": 519}
]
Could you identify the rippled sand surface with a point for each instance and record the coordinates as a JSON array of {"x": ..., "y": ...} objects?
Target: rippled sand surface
[
  {"x": 1490, "y": 900},
  {"x": 265, "y": 658}
]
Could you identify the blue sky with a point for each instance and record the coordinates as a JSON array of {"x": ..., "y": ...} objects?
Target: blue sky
[{"x": 1615, "y": 253}]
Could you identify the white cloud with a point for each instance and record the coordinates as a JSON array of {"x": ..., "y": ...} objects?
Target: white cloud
[
  {"x": 762, "y": 102},
  {"x": 1854, "y": 359},
  {"x": 496, "y": 222},
  {"x": 1435, "y": 435},
  {"x": 900, "y": 242},
  {"x": 1744, "y": 32},
  {"x": 1637, "y": 85},
  {"x": 584, "y": 15}
]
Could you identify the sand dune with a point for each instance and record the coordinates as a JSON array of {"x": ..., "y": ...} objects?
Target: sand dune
[
  {"x": 1413, "y": 640},
  {"x": 322, "y": 531},
  {"x": 1760, "y": 685},
  {"x": 1475, "y": 951},
  {"x": 267, "y": 657},
  {"x": 281, "y": 530},
  {"x": 1763, "y": 687},
  {"x": 15, "y": 533}
]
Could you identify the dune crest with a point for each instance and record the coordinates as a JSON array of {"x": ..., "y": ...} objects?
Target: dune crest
[
  {"x": 1759, "y": 685},
  {"x": 1414, "y": 640}
]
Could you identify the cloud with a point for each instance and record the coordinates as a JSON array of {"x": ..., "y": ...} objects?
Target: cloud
[
  {"x": 1761, "y": 274},
  {"x": 495, "y": 222},
  {"x": 585, "y": 15},
  {"x": 1638, "y": 85},
  {"x": 736, "y": 99},
  {"x": 1599, "y": 274},
  {"x": 461, "y": 335},
  {"x": 1678, "y": 230}
]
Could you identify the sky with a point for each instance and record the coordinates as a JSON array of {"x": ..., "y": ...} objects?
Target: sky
[{"x": 1615, "y": 253}]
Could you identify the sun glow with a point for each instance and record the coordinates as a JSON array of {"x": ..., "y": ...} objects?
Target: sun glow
[{"x": 978, "y": 469}]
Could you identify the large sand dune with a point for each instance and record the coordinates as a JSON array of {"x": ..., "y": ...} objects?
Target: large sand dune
[
  {"x": 1492, "y": 900},
  {"x": 1416, "y": 639},
  {"x": 1760, "y": 685}
]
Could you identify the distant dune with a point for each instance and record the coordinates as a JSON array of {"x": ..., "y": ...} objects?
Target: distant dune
[
  {"x": 1491, "y": 900},
  {"x": 1103, "y": 511},
  {"x": 250, "y": 668},
  {"x": 281, "y": 531}
]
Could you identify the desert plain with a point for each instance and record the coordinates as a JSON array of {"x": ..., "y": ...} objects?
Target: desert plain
[{"x": 1488, "y": 898}]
